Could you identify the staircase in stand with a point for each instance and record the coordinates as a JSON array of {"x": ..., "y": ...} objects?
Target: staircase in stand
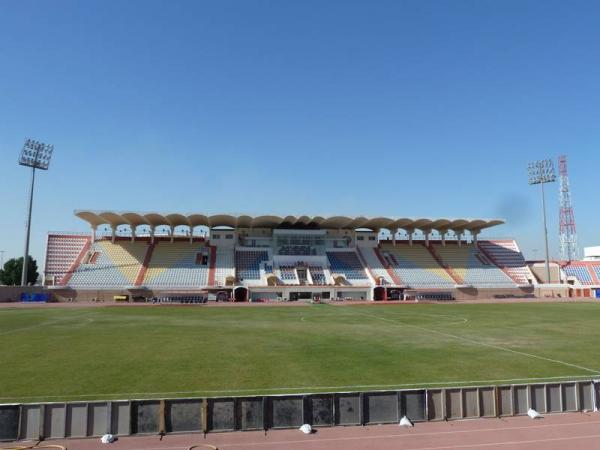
[
  {"x": 493, "y": 261},
  {"x": 212, "y": 262},
  {"x": 439, "y": 260},
  {"x": 507, "y": 256},
  {"x": 366, "y": 266},
  {"x": 86, "y": 248},
  {"x": 139, "y": 279},
  {"x": 390, "y": 270}
]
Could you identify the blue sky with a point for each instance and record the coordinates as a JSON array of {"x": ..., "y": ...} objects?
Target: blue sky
[{"x": 400, "y": 108}]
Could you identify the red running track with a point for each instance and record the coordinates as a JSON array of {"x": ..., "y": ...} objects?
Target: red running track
[{"x": 553, "y": 432}]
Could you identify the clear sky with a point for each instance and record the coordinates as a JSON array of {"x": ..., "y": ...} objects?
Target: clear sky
[{"x": 400, "y": 108}]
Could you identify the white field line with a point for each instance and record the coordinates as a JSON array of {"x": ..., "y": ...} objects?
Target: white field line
[
  {"x": 483, "y": 344},
  {"x": 454, "y": 320},
  {"x": 446, "y": 318},
  {"x": 44, "y": 324},
  {"x": 303, "y": 389}
]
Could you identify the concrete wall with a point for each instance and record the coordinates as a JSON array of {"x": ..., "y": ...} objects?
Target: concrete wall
[
  {"x": 130, "y": 417},
  {"x": 107, "y": 295},
  {"x": 539, "y": 270},
  {"x": 13, "y": 293},
  {"x": 540, "y": 291},
  {"x": 475, "y": 293},
  {"x": 366, "y": 239}
]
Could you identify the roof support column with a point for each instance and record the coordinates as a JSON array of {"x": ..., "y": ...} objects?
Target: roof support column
[
  {"x": 475, "y": 233},
  {"x": 443, "y": 233},
  {"x": 411, "y": 232},
  {"x": 152, "y": 234},
  {"x": 394, "y": 232},
  {"x": 112, "y": 233},
  {"x": 132, "y": 233},
  {"x": 458, "y": 236},
  {"x": 172, "y": 233},
  {"x": 426, "y": 232},
  {"x": 93, "y": 234}
]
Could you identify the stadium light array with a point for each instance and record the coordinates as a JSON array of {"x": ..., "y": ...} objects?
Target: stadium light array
[
  {"x": 36, "y": 155},
  {"x": 542, "y": 172}
]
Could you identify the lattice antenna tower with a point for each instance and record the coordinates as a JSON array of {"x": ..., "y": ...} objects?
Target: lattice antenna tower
[{"x": 568, "y": 230}]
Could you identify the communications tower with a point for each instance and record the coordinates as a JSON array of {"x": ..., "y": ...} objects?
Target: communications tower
[{"x": 568, "y": 230}]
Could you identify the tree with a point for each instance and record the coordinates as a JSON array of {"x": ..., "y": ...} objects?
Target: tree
[{"x": 11, "y": 274}]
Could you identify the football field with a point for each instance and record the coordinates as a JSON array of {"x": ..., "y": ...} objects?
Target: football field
[{"x": 122, "y": 352}]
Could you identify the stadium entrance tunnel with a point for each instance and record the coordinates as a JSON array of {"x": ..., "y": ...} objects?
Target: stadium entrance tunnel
[
  {"x": 379, "y": 294},
  {"x": 240, "y": 294}
]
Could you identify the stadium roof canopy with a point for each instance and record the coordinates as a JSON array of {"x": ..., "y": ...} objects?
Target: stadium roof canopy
[{"x": 133, "y": 219}]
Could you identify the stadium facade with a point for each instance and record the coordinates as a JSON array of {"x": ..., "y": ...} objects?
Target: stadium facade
[{"x": 271, "y": 257}]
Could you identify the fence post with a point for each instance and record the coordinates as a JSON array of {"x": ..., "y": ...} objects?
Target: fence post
[
  {"x": 42, "y": 422},
  {"x": 497, "y": 401},
  {"x": 444, "y": 404},
  {"x": 361, "y": 403},
  {"x": 162, "y": 428},
  {"x": 204, "y": 415},
  {"x": 19, "y": 429},
  {"x": 265, "y": 406}
]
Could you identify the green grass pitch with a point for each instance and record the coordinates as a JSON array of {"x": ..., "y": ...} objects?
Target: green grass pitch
[{"x": 116, "y": 352}]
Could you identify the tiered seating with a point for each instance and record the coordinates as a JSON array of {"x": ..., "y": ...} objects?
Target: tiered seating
[
  {"x": 223, "y": 266},
  {"x": 247, "y": 263},
  {"x": 177, "y": 264},
  {"x": 347, "y": 264},
  {"x": 416, "y": 267},
  {"x": 508, "y": 256},
  {"x": 596, "y": 269},
  {"x": 374, "y": 263},
  {"x": 62, "y": 252},
  {"x": 580, "y": 272},
  {"x": 318, "y": 275},
  {"x": 113, "y": 265},
  {"x": 472, "y": 267},
  {"x": 287, "y": 274}
]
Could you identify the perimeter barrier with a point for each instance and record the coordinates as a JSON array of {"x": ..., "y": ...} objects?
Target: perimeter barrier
[{"x": 204, "y": 415}]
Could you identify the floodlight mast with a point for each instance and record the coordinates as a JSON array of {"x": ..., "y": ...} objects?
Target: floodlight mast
[
  {"x": 36, "y": 155},
  {"x": 541, "y": 172}
]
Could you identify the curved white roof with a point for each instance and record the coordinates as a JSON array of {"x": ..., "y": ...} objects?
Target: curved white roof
[{"x": 114, "y": 219}]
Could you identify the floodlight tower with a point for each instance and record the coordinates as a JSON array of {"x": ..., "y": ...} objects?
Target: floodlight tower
[
  {"x": 36, "y": 155},
  {"x": 542, "y": 172},
  {"x": 568, "y": 230}
]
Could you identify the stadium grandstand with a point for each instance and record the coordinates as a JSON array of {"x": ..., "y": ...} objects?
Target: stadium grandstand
[{"x": 244, "y": 258}]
